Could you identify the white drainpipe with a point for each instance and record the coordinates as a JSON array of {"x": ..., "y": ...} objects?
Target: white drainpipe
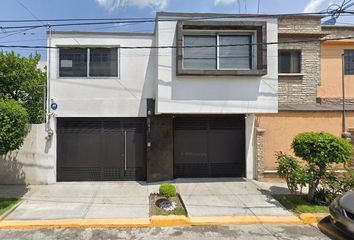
[{"x": 48, "y": 110}]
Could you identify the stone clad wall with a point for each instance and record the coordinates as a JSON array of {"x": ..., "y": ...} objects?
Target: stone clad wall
[
  {"x": 299, "y": 24},
  {"x": 300, "y": 89}
]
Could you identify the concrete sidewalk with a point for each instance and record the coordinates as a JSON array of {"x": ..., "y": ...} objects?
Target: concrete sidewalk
[
  {"x": 84, "y": 200},
  {"x": 122, "y": 200}
]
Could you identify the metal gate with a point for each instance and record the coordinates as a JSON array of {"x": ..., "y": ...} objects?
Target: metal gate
[
  {"x": 100, "y": 149},
  {"x": 209, "y": 146}
]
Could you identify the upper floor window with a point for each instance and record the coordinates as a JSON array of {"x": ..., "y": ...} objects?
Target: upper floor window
[
  {"x": 221, "y": 48},
  {"x": 73, "y": 62},
  {"x": 102, "y": 62},
  {"x": 289, "y": 61},
  {"x": 225, "y": 51},
  {"x": 349, "y": 62}
]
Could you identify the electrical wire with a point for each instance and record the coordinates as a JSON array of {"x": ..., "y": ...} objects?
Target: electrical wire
[
  {"x": 97, "y": 22},
  {"x": 197, "y": 46}
]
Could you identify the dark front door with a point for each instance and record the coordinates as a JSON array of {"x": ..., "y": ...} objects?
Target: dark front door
[
  {"x": 209, "y": 146},
  {"x": 101, "y": 149}
]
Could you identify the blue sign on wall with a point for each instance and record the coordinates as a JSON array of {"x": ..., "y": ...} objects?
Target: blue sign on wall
[{"x": 54, "y": 106}]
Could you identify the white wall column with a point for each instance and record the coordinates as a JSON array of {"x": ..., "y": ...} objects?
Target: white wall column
[{"x": 250, "y": 143}]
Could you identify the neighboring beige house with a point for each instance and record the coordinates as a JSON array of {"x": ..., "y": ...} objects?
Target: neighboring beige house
[{"x": 310, "y": 88}]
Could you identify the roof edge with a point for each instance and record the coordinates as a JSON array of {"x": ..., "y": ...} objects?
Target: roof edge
[
  {"x": 208, "y": 14},
  {"x": 338, "y": 26},
  {"x": 103, "y": 33}
]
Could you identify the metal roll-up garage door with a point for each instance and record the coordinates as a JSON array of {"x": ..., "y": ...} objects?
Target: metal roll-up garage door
[
  {"x": 101, "y": 149},
  {"x": 209, "y": 146}
]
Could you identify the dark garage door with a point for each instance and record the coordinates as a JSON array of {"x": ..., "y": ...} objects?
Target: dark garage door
[
  {"x": 101, "y": 149},
  {"x": 212, "y": 146}
]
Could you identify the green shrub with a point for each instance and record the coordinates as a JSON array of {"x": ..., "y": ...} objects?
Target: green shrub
[
  {"x": 167, "y": 190},
  {"x": 319, "y": 150},
  {"x": 13, "y": 125},
  {"x": 290, "y": 169},
  {"x": 334, "y": 184},
  {"x": 323, "y": 197}
]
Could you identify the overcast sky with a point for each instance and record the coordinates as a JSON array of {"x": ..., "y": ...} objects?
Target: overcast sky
[{"x": 44, "y": 9}]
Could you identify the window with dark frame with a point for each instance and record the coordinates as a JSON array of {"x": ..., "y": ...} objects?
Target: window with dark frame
[
  {"x": 235, "y": 51},
  {"x": 349, "y": 62},
  {"x": 236, "y": 48},
  {"x": 289, "y": 61},
  {"x": 195, "y": 57},
  {"x": 73, "y": 62},
  {"x": 102, "y": 62},
  {"x": 232, "y": 52}
]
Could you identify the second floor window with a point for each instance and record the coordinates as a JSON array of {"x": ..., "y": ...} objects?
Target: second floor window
[
  {"x": 73, "y": 62},
  {"x": 289, "y": 61},
  {"x": 349, "y": 62},
  {"x": 225, "y": 52},
  {"x": 102, "y": 62}
]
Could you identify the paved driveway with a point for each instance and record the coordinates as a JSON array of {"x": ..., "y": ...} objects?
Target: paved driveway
[
  {"x": 100, "y": 200},
  {"x": 80, "y": 200},
  {"x": 227, "y": 197}
]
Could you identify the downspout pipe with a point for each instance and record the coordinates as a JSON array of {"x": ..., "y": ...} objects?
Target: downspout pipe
[
  {"x": 48, "y": 129},
  {"x": 345, "y": 134}
]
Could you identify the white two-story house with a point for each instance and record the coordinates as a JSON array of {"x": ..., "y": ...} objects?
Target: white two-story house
[{"x": 178, "y": 102}]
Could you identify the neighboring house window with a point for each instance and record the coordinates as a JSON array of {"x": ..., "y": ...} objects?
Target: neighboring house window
[
  {"x": 349, "y": 62},
  {"x": 289, "y": 61},
  {"x": 74, "y": 62},
  {"x": 221, "y": 48}
]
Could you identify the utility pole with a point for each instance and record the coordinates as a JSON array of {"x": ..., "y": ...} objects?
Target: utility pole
[{"x": 345, "y": 134}]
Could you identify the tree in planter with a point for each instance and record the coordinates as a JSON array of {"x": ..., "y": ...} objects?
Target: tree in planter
[
  {"x": 21, "y": 81},
  {"x": 13, "y": 125},
  {"x": 319, "y": 151}
]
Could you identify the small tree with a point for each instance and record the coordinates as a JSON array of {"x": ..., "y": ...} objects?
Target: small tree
[
  {"x": 320, "y": 150},
  {"x": 13, "y": 125},
  {"x": 21, "y": 81},
  {"x": 292, "y": 171}
]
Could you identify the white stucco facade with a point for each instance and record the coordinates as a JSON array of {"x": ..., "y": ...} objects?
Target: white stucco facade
[
  {"x": 151, "y": 73},
  {"x": 214, "y": 94},
  {"x": 122, "y": 96}
]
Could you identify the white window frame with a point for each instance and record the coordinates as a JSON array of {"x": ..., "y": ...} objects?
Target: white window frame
[
  {"x": 217, "y": 34},
  {"x": 88, "y": 61}
]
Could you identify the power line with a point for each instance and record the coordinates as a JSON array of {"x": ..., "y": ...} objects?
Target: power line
[
  {"x": 101, "y": 21},
  {"x": 197, "y": 46},
  {"x": 17, "y": 32},
  {"x": 28, "y": 10},
  {"x": 72, "y": 19}
]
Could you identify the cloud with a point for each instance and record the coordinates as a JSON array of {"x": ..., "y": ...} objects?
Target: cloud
[
  {"x": 313, "y": 5},
  {"x": 112, "y": 5},
  {"x": 223, "y": 2}
]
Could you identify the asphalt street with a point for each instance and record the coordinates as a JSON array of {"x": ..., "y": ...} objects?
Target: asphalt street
[{"x": 246, "y": 232}]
